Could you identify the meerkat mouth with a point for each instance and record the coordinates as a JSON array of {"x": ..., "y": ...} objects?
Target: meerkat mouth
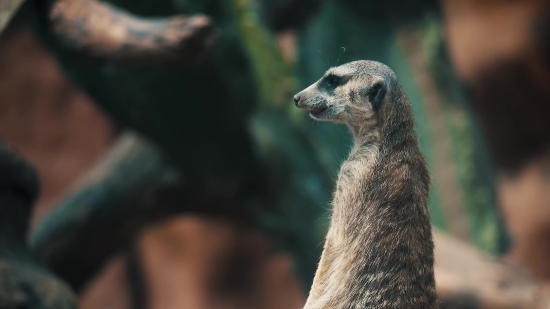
[{"x": 317, "y": 111}]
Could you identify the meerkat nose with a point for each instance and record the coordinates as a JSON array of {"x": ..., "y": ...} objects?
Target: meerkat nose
[{"x": 297, "y": 99}]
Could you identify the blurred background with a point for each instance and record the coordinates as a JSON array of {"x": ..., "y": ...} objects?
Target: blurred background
[{"x": 176, "y": 172}]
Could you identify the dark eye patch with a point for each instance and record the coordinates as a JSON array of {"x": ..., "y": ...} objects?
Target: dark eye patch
[{"x": 332, "y": 81}]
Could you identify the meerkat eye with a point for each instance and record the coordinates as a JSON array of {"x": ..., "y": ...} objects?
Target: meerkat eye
[{"x": 333, "y": 80}]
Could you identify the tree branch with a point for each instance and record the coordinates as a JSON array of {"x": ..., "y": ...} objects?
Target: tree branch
[
  {"x": 100, "y": 30},
  {"x": 134, "y": 186},
  {"x": 8, "y": 8},
  {"x": 24, "y": 283}
]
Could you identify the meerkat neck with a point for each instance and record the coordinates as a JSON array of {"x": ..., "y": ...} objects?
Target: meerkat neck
[{"x": 379, "y": 249}]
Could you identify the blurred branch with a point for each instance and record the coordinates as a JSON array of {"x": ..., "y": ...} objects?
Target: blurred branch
[
  {"x": 466, "y": 278},
  {"x": 132, "y": 186},
  {"x": 100, "y": 30},
  {"x": 507, "y": 72},
  {"x": 24, "y": 283},
  {"x": 135, "y": 185},
  {"x": 8, "y": 8}
]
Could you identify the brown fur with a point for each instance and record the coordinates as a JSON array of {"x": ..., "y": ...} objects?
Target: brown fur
[{"x": 379, "y": 251}]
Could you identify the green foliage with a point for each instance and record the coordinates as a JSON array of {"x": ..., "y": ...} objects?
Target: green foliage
[
  {"x": 398, "y": 11},
  {"x": 273, "y": 75},
  {"x": 286, "y": 148}
]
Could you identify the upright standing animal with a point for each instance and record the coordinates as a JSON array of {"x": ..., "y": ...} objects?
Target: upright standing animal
[{"x": 379, "y": 250}]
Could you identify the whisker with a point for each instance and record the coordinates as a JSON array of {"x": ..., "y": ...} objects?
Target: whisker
[{"x": 341, "y": 49}]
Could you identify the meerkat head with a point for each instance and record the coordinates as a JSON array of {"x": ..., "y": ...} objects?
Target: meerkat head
[{"x": 353, "y": 93}]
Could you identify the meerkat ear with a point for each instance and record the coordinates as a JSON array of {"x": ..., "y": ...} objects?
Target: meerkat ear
[{"x": 376, "y": 93}]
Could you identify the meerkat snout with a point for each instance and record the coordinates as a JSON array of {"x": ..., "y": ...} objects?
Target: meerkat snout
[{"x": 297, "y": 99}]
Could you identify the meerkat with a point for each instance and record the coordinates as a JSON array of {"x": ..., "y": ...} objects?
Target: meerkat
[{"x": 379, "y": 250}]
